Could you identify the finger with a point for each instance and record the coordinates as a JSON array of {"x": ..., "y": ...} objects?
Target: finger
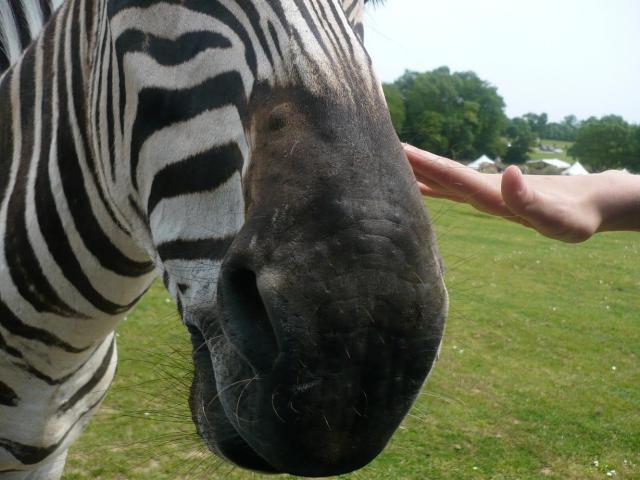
[
  {"x": 518, "y": 197},
  {"x": 436, "y": 191},
  {"x": 435, "y": 188},
  {"x": 455, "y": 181},
  {"x": 424, "y": 190},
  {"x": 534, "y": 209},
  {"x": 449, "y": 177},
  {"x": 417, "y": 153},
  {"x": 429, "y": 192},
  {"x": 427, "y": 166}
]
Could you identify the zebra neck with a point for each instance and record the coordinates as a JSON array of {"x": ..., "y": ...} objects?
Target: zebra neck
[
  {"x": 69, "y": 269},
  {"x": 68, "y": 264}
]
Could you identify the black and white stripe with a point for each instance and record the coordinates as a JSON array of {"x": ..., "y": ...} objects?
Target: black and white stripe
[
  {"x": 20, "y": 23},
  {"x": 94, "y": 199}
]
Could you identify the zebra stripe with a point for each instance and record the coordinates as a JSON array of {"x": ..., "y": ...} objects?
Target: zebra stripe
[
  {"x": 54, "y": 249},
  {"x": 20, "y": 23},
  {"x": 93, "y": 200}
]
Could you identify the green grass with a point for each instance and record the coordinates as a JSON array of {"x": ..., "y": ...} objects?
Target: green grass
[
  {"x": 558, "y": 143},
  {"x": 539, "y": 155},
  {"x": 525, "y": 386}
]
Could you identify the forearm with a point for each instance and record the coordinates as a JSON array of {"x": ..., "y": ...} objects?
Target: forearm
[{"x": 618, "y": 201}]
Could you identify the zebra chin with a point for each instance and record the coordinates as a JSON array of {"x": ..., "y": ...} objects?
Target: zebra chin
[{"x": 330, "y": 304}]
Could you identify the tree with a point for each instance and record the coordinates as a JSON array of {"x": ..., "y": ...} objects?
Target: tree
[
  {"x": 395, "y": 102},
  {"x": 605, "y": 143},
  {"x": 571, "y": 122},
  {"x": 565, "y": 130},
  {"x": 635, "y": 149},
  {"x": 453, "y": 114},
  {"x": 537, "y": 123},
  {"x": 522, "y": 140}
]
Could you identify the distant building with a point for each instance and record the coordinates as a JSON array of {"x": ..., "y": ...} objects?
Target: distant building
[
  {"x": 546, "y": 166},
  {"x": 552, "y": 162},
  {"x": 484, "y": 164},
  {"x": 576, "y": 169}
]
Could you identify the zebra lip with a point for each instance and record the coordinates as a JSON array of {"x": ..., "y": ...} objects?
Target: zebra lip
[
  {"x": 212, "y": 423},
  {"x": 319, "y": 427}
]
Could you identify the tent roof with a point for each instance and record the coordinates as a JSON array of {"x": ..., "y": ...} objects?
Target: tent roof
[
  {"x": 576, "y": 169},
  {"x": 554, "y": 162},
  {"x": 483, "y": 160}
]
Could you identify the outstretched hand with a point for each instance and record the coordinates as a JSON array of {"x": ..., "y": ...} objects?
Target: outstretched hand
[{"x": 570, "y": 209}]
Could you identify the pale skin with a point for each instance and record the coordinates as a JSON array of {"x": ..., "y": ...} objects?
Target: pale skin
[{"x": 570, "y": 209}]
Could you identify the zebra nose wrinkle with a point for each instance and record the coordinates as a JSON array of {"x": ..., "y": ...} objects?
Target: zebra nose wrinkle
[{"x": 245, "y": 319}]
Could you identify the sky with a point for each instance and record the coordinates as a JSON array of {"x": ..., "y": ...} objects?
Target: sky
[{"x": 561, "y": 57}]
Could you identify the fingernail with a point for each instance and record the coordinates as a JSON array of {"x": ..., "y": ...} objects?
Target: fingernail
[{"x": 522, "y": 189}]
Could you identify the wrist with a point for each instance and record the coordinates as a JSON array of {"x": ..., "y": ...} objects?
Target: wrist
[{"x": 617, "y": 201}]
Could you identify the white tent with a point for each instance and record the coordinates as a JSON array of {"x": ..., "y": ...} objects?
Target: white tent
[
  {"x": 554, "y": 162},
  {"x": 483, "y": 160},
  {"x": 576, "y": 169}
]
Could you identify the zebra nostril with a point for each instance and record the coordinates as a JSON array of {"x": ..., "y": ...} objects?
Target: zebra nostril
[
  {"x": 245, "y": 320},
  {"x": 278, "y": 117}
]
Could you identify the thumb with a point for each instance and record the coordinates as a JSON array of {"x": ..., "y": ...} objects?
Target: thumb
[{"x": 517, "y": 196}]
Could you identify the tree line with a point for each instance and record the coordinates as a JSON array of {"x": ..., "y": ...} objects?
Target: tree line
[{"x": 461, "y": 116}]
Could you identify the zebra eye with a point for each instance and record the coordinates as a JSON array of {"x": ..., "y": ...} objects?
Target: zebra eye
[{"x": 278, "y": 117}]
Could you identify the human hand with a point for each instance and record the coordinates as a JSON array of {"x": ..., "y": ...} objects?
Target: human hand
[{"x": 570, "y": 209}]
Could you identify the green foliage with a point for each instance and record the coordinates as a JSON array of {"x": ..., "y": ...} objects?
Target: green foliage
[
  {"x": 565, "y": 130},
  {"x": 522, "y": 139},
  {"x": 537, "y": 123},
  {"x": 395, "y": 102},
  {"x": 460, "y": 116},
  {"x": 608, "y": 142},
  {"x": 453, "y": 114},
  {"x": 525, "y": 386},
  {"x": 635, "y": 142}
]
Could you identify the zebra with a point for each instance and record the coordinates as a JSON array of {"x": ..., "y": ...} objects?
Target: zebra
[
  {"x": 20, "y": 23},
  {"x": 242, "y": 151}
]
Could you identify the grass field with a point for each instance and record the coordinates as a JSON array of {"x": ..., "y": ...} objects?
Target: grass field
[
  {"x": 539, "y": 155},
  {"x": 557, "y": 143},
  {"x": 539, "y": 375}
]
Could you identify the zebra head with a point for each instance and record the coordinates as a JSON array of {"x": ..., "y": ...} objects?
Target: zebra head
[{"x": 254, "y": 158}]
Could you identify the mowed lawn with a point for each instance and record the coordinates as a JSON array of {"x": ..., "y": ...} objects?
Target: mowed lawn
[
  {"x": 539, "y": 155},
  {"x": 539, "y": 375}
]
